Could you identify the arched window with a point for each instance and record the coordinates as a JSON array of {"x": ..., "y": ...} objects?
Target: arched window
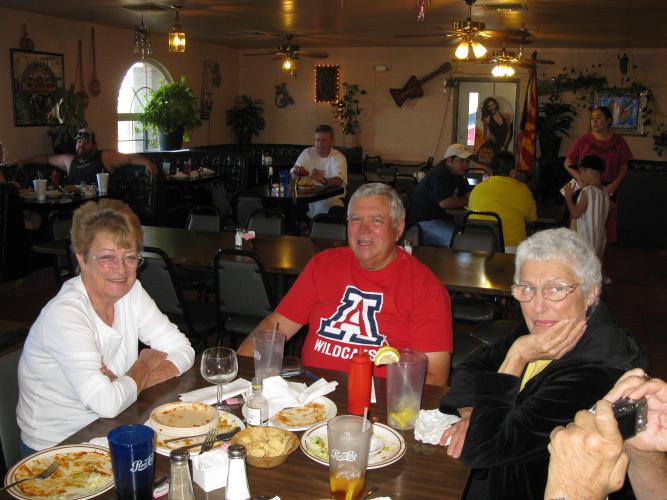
[{"x": 143, "y": 75}]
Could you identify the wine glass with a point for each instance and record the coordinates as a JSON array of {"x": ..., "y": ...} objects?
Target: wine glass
[{"x": 219, "y": 366}]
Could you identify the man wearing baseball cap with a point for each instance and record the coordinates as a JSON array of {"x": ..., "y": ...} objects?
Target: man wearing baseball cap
[
  {"x": 88, "y": 160},
  {"x": 445, "y": 186}
]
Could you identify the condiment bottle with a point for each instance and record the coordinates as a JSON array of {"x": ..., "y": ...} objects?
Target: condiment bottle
[
  {"x": 55, "y": 179},
  {"x": 359, "y": 376},
  {"x": 180, "y": 483},
  {"x": 237, "y": 479},
  {"x": 257, "y": 408}
]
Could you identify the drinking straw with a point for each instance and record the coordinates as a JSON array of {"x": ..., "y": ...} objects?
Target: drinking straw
[
  {"x": 363, "y": 424},
  {"x": 273, "y": 341}
]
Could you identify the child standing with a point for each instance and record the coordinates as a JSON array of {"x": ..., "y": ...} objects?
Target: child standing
[{"x": 589, "y": 212}]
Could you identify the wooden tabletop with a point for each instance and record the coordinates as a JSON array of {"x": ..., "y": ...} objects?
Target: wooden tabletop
[
  {"x": 306, "y": 195},
  {"x": 470, "y": 272},
  {"x": 425, "y": 472}
]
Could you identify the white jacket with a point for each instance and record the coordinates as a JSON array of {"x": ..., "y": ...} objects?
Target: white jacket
[{"x": 61, "y": 388}]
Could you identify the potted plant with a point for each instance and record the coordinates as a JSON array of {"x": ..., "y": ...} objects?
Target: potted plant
[
  {"x": 70, "y": 116},
  {"x": 346, "y": 111},
  {"x": 172, "y": 110},
  {"x": 553, "y": 122},
  {"x": 246, "y": 118}
]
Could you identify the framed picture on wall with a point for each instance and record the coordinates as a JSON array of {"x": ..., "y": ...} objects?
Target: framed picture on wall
[
  {"x": 486, "y": 116},
  {"x": 38, "y": 84},
  {"x": 327, "y": 78},
  {"x": 626, "y": 109}
]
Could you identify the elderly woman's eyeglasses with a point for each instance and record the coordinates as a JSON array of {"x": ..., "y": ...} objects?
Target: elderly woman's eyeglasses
[
  {"x": 110, "y": 260},
  {"x": 554, "y": 292}
]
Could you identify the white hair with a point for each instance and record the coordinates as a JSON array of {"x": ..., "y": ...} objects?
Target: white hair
[
  {"x": 566, "y": 246},
  {"x": 396, "y": 208}
]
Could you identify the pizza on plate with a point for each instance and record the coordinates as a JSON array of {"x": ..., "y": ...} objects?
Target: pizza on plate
[
  {"x": 301, "y": 416},
  {"x": 79, "y": 473}
]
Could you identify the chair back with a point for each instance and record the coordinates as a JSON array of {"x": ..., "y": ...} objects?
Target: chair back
[
  {"x": 386, "y": 172},
  {"x": 203, "y": 218},
  {"x": 492, "y": 220},
  {"x": 371, "y": 163},
  {"x": 414, "y": 233},
  {"x": 13, "y": 250},
  {"x": 353, "y": 183},
  {"x": 405, "y": 186},
  {"x": 220, "y": 198},
  {"x": 138, "y": 188},
  {"x": 483, "y": 240},
  {"x": 327, "y": 227},
  {"x": 265, "y": 223},
  {"x": 60, "y": 224},
  {"x": 475, "y": 175},
  {"x": 245, "y": 206},
  {"x": 158, "y": 278},
  {"x": 11, "y": 346},
  {"x": 241, "y": 284}
]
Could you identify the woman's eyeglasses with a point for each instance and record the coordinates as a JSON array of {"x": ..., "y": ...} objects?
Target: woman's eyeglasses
[
  {"x": 554, "y": 292},
  {"x": 110, "y": 260}
]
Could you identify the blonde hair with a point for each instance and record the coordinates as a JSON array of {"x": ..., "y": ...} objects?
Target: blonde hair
[{"x": 111, "y": 216}]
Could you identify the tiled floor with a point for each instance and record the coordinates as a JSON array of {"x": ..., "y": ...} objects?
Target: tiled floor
[{"x": 637, "y": 298}]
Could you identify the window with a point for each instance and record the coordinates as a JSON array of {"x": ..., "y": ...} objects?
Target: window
[{"x": 132, "y": 136}]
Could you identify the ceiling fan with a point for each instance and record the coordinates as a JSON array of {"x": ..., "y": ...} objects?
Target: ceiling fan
[
  {"x": 469, "y": 35},
  {"x": 290, "y": 53},
  {"x": 504, "y": 61}
]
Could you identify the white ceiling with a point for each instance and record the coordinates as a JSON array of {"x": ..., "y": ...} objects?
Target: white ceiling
[{"x": 252, "y": 24}]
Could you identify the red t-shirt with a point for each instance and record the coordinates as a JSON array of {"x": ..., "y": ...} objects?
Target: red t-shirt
[
  {"x": 614, "y": 152},
  {"x": 349, "y": 309}
]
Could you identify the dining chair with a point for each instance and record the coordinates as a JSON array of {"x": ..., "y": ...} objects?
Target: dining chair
[
  {"x": 405, "y": 186},
  {"x": 464, "y": 346},
  {"x": 204, "y": 218},
  {"x": 245, "y": 206},
  {"x": 471, "y": 224},
  {"x": 266, "y": 223},
  {"x": 328, "y": 227},
  {"x": 414, "y": 233},
  {"x": 243, "y": 294},
  {"x": 371, "y": 163},
  {"x": 11, "y": 345},
  {"x": 60, "y": 223},
  {"x": 353, "y": 183},
  {"x": 138, "y": 188},
  {"x": 386, "y": 173},
  {"x": 196, "y": 319}
]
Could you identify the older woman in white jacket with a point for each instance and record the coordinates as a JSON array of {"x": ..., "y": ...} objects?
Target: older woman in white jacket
[{"x": 81, "y": 360}]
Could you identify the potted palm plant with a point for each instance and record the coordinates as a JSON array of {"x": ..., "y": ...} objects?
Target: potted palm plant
[
  {"x": 553, "y": 122},
  {"x": 346, "y": 111},
  {"x": 172, "y": 110},
  {"x": 246, "y": 118},
  {"x": 70, "y": 117}
]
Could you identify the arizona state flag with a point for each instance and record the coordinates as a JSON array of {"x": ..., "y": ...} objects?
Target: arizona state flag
[{"x": 528, "y": 134}]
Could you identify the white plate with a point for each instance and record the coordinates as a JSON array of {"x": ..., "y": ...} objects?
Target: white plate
[
  {"x": 184, "y": 418},
  {"x": 48, "y": 454},
  {"x": 330, "y": 411},
  {"x": 394, "y": 445},
  {"x": 53, "y": 193},
  {"x": 227, "y": 422},
  {"x": 27, "y": 194}
]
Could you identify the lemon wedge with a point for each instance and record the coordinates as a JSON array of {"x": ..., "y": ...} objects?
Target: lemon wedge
[{"x": 386, "y": 355}]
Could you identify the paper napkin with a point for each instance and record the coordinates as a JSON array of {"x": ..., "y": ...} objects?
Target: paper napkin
[
  {"x": 431, "y": 424},
  {"x": 209, "y": 395},
  {"x": 283, "y": 394}
]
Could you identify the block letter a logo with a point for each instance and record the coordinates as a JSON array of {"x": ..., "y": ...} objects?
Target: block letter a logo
[{"x": 354, "y": 321}]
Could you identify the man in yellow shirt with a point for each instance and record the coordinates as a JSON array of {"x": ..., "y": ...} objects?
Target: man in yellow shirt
[{"x": 506, "y": 196}]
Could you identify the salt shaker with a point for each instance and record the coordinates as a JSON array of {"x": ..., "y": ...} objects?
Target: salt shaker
[
  {"x": 238, "y": 238},
  {"x": 407, "y": 246},
  {"x": 237, "y": 479},
  {"x": 180, "y": 483}
]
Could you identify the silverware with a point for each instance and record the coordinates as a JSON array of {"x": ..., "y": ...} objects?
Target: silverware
[
  {"x": 171, "y": 440},
  {"x": 370, "y": 493},
  {"x": 42, "y": 475},
  {"x": 208, "y": 442},
  {"x": 225, "y": 436}
]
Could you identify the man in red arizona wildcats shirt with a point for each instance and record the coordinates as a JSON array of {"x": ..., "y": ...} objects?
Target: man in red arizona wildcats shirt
[{"x": 367, "y": 295}]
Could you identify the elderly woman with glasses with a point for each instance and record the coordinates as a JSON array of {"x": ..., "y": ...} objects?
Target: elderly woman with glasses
[
  {"x": 567, "y": 354},
  {"x": 81, "y": 359}
]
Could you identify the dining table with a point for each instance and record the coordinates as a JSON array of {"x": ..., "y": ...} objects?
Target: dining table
[
  {"x": 424, "y": 472},
  {"x": 470, "y": 272}
]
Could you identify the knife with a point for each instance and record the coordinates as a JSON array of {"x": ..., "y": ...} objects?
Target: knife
[{"x": 225, "y": 436}]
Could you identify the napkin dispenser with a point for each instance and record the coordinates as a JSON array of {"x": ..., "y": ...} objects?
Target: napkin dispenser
[{"x": 209, "y": 470}]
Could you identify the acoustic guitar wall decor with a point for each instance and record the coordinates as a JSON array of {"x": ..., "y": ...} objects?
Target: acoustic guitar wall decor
[{"x": 413, "y": 88}]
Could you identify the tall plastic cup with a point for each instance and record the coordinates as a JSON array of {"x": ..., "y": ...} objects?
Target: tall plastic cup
[
  {"x": 405, "y": 382},
  {"x": 268, "y": 350},
  {"x": 132, "y": 451},
  {"x": 40, "y": 188},
  {"x": 102, "y": 182},
  {"x": 348, "y": 438}
]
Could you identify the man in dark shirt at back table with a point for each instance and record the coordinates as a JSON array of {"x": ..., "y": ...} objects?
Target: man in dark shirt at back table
[
  {"x": 445, "y": 186},
  {"x": 88, "y": 160}
]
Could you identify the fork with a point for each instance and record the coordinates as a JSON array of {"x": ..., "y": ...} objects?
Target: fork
[
  {"x": 42, "y": 475},
  {"x": 208, "y": 441}
]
